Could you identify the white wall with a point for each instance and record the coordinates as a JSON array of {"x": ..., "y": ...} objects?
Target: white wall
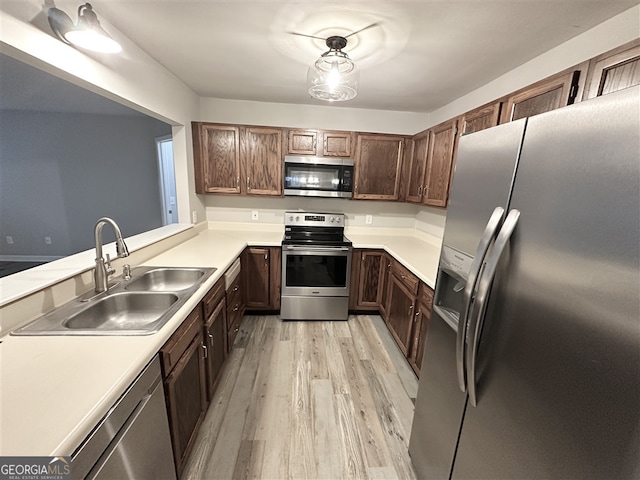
[
  {"x": 60, "y": 172},
  {"x": 329, "y": 117}
]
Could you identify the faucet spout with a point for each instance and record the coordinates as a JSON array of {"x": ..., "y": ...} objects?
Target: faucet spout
[{"x": 102, "y": 271}]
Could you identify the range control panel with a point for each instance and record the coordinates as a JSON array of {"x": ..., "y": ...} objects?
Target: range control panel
[{"x": 307, "y": 219}]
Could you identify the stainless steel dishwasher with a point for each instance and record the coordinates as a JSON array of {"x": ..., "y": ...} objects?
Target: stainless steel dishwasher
[{"x": 132, "y": 440}]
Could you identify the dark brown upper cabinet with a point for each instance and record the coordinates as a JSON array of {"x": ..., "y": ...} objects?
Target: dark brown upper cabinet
[
  {"x": 440, "y": 159},
  {"x": 320, "y": 143},
  {"x": 614, "y": 70},
  {"x": 377, "y": 167},
  {"x": 480, "y": 118},
  {"x": 546, "y": 95},
  {"x": 216, "y": 153},
  {"x": 418, "y": 165},
  {"x": 261, "y": 153}
]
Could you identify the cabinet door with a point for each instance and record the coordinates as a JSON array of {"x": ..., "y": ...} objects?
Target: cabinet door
[
  {"x": 480, "y": 118},
  {"x": 400, "y": 316},
  {"x": 370, "y": 282},
  {"x": 275, "y": 279},
  {"x": 337, "y": 144},
  {"x": 255, "y": 267},
  {"x": 387, "y": 261},
  {"x": 614, "y": 71},
  {"x": 442, "y": 142},
  {"x": 216, "y": 151},
  {"x": 377, "y": 170},
  {"x": 186, "y": 400},
  {"x": 415, "y": 186},
  {"x": 302, "y": 142},
  {"x": 420, "y": 325},
  {"x": 549, "y": 94},
  {"x": 354, "y": 279},
  {"x": 262, "y": 160},
  {"x": 215, "y": 332}
]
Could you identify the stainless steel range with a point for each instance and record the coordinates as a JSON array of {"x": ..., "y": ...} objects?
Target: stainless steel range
[{"x": 316, "y": 265}]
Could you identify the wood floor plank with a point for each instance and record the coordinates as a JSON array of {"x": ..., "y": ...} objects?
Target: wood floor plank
[
  {"x": 329, "y": 461},
  {"x": 366, "y": 416},
  {"x": 318, "y": 352},
  {"x": 274, "y": 425},
  {"x": 249, "y": 460},
  {"x": 350, "y": 441},
  {"x": 383, "y": 473},
  {"x": 408, "y": 378},
  {"x": 335, "y": 364},
  {"x": 302, "y": 459},
  {"x": 378, "y": 352}
]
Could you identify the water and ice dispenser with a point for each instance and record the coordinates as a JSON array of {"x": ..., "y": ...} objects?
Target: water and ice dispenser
[{"x": 453, "y": 273}]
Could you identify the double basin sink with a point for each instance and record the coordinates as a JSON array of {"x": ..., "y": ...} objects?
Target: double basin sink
[{"x": 140, "y": 305}]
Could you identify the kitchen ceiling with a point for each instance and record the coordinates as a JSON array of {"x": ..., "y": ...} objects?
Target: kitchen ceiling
[{"x": 423, "y": 54}]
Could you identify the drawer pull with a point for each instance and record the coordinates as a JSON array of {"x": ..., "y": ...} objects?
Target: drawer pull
[
  {"x": 211, "y": 340},
  {"x": 235, "y": 309},
  {"x": 236, "y": 329},
  {"x": 235, "y": 289},
  {"x": 204, "y": 347}
]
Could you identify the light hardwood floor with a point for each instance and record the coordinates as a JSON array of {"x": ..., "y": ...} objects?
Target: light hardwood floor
[{"x": 309, "y": 400}]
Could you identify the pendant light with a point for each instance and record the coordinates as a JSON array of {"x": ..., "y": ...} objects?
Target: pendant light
[
  {"x": 333, "y": 77},
  {"x": 87, "y": 34}
]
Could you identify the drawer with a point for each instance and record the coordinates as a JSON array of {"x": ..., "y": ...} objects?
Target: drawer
[
  {"x": 234, "y": 287},
  {"x": 234, "y": 327},
  {"x": 173, "y": 349},
  {"x": 407, "y": 278},
  {"x": 425, "y": 295},
  {"x": 211, "y": 299},
  {"x": 234, "y": 310}
]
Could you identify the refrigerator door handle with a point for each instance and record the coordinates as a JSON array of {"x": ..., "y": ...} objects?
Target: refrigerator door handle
[
  {"x": 480, "y": 304},
  {"x": 488, "y": 236}
]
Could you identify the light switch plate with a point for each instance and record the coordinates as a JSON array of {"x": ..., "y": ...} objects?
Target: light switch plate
[{"x": 255, "y": 215}]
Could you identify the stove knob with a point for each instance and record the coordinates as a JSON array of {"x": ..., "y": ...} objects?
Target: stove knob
[
  {"x": 337, "y": 219},
  {"x": 297, "y": 218},
  {"x": 331, "y": 219},
  {"x": 291, "y": 218}
]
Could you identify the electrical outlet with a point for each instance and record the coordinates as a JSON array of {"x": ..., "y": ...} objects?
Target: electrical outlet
[
  {"x": 194, "y": 217},
  {"x": 255, "y": 215},
  {"x": 368, "y": 219},
  {"x": 9, "y": 240},
  {"x": 47, "y": 240}
]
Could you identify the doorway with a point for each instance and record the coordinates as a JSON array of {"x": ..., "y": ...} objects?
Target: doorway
[{"x": 166, "y": 170}]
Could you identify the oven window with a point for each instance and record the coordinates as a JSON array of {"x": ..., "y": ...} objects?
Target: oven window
[
  {"x": 316, "y": 271},
  {"x": 312, "y": 177}
]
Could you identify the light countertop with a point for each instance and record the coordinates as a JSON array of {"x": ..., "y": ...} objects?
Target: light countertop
[{"x": 55, "y": 389}]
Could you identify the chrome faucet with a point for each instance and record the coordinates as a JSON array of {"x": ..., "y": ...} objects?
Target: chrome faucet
[{"x": 102, "y": 271}]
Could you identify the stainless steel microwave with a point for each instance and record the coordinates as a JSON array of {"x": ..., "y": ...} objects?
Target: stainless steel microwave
[{"x": 318, "y": 177}]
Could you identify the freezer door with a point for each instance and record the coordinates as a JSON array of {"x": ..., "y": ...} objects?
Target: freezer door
[
  {"x": 485, "y": 165},
  {"x": 558, "y": 367}
]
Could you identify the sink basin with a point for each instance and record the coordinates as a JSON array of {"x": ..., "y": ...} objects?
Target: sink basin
[
  {"x": 166, "y": 280},
  {"x": 122, "y": 311},
  {"x": 138, "y": 306}
]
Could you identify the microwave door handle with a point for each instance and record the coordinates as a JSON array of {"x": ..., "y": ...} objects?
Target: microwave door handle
[{"x": 488, "y": 236}]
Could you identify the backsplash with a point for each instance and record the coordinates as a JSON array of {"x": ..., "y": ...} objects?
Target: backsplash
[{"x": 271, "y": 211}]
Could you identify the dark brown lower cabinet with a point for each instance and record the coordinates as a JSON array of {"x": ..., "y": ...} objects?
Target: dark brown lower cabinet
[
  {"x": 261, "y": 268},
  {"x": 400, "y": 313},
  {"x": 366, "y": 280},
  {"x": 420, "y": 323},
  {"x": 215, "y": 331},
  {"x": 185, "y": 387}
]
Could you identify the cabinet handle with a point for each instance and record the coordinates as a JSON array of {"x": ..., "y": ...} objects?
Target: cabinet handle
[
  {"x": 235, "y": 289},
  {"x": 236, "y": 329},
  {"x": 415, "y": 317},
  {"x": 266, "y": 256},
  {"x": 410, "y": 309},
  {"x": 248, "y": 185},
  {"x": 420, "y": 191},
  {"x": 404, "y": 277},
  {"x": 204, "y": 347},
  {"x": 238, "y": 182},
  {"x": 235, "y": 309},
  {"x": 356, "y": 188},
  {"x": 211, "y": 340}
]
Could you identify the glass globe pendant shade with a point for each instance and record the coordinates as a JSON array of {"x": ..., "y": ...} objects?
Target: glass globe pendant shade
[{"x": 333, "y": 77}]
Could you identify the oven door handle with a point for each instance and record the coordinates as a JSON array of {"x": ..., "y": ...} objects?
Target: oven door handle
[{"x": 316, "y": 249}]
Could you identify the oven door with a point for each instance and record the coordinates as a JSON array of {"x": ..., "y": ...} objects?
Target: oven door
[{"x": 315, "y": 271}]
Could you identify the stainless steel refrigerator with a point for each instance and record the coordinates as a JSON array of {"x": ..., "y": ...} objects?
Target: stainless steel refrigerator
[{"x": 532, "y": 361}]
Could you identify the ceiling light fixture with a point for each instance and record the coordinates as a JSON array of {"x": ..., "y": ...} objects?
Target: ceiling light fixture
[
  {"x": 87, "y": 34},
  {"x": 333, "y": 77}
]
